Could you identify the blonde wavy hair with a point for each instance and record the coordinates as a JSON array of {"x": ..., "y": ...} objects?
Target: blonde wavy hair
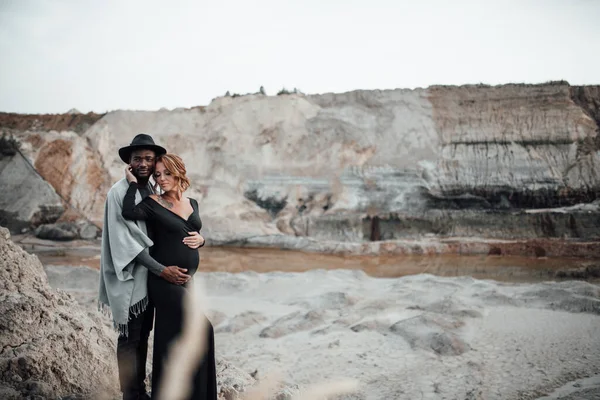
[{"x": 176, "y": 167}]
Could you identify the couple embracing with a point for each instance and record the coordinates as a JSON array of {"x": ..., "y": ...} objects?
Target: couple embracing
[{"x": 149, "y": 256}]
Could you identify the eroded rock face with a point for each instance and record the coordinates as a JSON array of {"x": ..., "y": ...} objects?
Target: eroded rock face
[
  {"x": 75, "y": 171},
  {"x": 526, "y": 143},
  {"x": 67, "y": 166},
  {"x": 447, "y": 161},
  {"x": 51, "y": 347},
  {"x": 319, "y": 165},
  {"x": 26, "y": 197}
]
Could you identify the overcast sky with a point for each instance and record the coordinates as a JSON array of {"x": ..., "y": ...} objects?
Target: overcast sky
[{"x": 106, "y": 55}]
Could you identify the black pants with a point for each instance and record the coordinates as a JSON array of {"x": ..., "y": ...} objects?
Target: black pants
[{"x": 131, "y": 354}]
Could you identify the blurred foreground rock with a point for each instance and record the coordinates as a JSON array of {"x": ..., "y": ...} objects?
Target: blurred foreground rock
[{"x": 50, "y": 345}]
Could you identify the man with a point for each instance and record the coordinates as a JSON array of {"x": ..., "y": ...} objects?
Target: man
[{"x": 124, "y": 264}]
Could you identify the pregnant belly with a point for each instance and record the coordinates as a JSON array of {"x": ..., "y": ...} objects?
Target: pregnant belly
[{"x": 179, "y": 255}]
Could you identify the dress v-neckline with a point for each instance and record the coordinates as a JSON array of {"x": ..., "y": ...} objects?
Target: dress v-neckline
[{"x": 174, "y": 213}]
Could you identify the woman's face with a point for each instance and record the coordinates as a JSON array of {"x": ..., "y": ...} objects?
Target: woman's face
[{"x": 165, "y": 180}]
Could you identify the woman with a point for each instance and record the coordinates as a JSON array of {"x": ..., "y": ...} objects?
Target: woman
[{"x": 171, "y": 217}]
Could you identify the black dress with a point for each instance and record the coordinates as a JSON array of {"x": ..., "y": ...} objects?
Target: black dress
[{"x": 168, "y": 230}]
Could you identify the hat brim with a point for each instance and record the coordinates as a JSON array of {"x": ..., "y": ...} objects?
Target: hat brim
[{"x": 125, "y": 152}]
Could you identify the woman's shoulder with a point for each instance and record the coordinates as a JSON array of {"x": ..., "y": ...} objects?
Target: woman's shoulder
[
  {"x": 151, "y": 199},
  {"x": 194, "y": 204}
]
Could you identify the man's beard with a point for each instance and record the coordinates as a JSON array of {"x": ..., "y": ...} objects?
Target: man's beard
[{"x": 142, "y": 173}]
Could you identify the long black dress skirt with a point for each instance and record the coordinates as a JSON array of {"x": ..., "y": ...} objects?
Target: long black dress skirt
[{"x": 168, "y": 300}]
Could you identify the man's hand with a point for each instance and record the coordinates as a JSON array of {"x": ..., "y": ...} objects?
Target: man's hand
[
  {"x": 194, "y": 241},
  {"x": 129, "y": 174},
  {"x": 175, "y": 275}
]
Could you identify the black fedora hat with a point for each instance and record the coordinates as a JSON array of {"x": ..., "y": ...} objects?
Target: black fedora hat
[{"x": 141, "y": 141}]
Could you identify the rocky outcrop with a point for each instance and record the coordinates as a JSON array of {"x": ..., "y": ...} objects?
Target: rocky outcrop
[
  {"x": 362, "y": 166},
  {"x": 516, "y": 139},
  {"x": 49, "y": 345},
  {"x": 72, "y": 168},
  {"x": 26, "y": 197}
]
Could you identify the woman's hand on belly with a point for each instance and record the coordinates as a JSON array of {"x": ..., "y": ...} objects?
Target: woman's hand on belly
[{"x": 194, "y": 240}]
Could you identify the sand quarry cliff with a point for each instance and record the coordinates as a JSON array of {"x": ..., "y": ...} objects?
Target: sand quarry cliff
[{"x": 362, "y": 170}]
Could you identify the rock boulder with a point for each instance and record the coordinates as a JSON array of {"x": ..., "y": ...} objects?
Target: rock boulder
[
  {"x": 26, "y": 197},
  {"x": 50, "y": 346}
]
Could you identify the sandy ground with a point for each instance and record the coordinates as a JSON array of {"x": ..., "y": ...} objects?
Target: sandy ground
[
  {"x": 581, "y": 389},
  {"x": 414, "y": 337}
]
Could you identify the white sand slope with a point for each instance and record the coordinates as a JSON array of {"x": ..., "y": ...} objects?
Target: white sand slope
[{"x": 417, "y": 337}]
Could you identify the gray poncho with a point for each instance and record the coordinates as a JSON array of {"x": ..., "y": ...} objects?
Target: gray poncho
[{"x": 122, "y": 280}]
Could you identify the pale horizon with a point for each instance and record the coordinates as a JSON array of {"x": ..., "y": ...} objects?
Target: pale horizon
[{"x": 140, "y": 56}]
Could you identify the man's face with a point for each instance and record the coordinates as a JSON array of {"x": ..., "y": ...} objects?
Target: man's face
[{"x": 142, "y": 163}]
